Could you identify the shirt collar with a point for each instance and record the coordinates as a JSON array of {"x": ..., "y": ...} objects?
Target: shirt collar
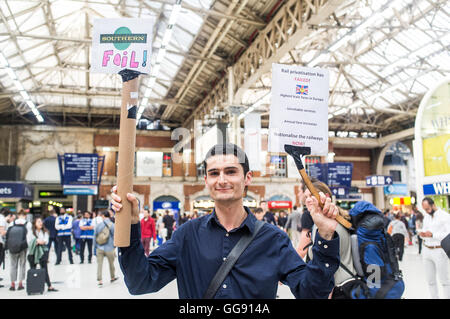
[{"x": 249, "y": 221}]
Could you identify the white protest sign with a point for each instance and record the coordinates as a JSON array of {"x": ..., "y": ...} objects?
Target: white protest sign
[
  {"x": 299, "y": 108},
  {"x": 119, "y": 44}
]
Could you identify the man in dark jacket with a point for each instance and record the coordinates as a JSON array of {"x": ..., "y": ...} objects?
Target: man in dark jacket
[
  {"x": 49, "y": 223},
  {"x": 168, "y": 223}
]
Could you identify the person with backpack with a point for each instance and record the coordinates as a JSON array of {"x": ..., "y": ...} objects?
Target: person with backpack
[
  {"x": 63, "y": 226},
  {"x": 104, "y": 240},
  {"x": 5, "y": 218},
  {"x": 399, "y": 233},
  {"x": 38, "y": 250},
  {"x": 374, "y": 256},
  {"x": 344, "y": 278},
  {"x": 16, "y": 244}
]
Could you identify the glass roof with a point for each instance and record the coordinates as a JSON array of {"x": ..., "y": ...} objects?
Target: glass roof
[{"x": 383, "y": 55}]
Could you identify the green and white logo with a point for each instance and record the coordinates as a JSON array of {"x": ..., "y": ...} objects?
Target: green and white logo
[{"x": 122, "y": 38}]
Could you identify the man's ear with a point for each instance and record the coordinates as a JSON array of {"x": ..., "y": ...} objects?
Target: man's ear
[{"x": 248, "y": 178}]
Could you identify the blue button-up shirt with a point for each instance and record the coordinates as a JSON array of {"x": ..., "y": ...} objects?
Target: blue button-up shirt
[{"x": 197, "y": 249}]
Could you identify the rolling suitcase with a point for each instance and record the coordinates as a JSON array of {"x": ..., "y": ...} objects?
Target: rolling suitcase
[{"x": 35, "y": 281}]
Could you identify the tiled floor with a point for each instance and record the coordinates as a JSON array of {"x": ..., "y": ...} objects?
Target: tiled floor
[{"x": 79, "y": 281}]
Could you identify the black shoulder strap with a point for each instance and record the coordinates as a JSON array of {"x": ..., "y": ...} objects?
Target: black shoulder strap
[
  {"x": 384, "y": 289},
  {"x": 229, "y": 262}
]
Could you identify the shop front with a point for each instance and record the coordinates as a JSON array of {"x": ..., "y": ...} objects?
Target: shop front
[
  {"x": 432, "y": 146},
  {"x": 167, "y": 203},
  {"x": 279, "y": 202},
  {"x": 48, "y": 197}
]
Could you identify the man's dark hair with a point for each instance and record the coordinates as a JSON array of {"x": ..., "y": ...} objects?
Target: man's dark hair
[
  {"x": 428, "y": 200},
  {"x": 295, "y": 207},
  {"x": 258, "y": 210},
  {"x": 105, "y": 213},
  {"x": 313, "y": 180},
  {"x": 228, "y": 149}
]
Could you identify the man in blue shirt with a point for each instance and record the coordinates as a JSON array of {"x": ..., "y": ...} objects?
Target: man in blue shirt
[{"x": 197, "y": 248}]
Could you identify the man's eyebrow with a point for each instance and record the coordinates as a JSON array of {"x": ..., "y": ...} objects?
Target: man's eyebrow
[{"x": 225, "y": 168}]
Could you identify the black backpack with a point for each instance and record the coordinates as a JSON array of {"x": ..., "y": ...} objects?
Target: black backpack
[{"x": 16, "y": 238}]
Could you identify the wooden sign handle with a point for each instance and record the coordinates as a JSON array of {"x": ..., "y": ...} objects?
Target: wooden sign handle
[{"x": 341, "y": 220}]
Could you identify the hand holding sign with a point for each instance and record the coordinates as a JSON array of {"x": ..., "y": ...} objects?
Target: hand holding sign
[{"x": 117, "y": 205}]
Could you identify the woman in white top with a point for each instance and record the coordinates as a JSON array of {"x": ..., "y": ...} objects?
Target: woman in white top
[{"x": 39, "y": 237}]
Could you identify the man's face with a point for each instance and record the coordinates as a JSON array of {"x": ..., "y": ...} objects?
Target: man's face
[
  {"x": 427, "y": 207},
  {"x": 264, "y": 206},
  {"x": 225, "y": 178},
  {"x": 87, "y": 215},
  {"x": 62, "y": 210},
  {"x": 259, "y": 215}
]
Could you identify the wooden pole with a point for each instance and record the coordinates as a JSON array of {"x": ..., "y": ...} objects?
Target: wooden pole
[{"x": 341, "y": 220}]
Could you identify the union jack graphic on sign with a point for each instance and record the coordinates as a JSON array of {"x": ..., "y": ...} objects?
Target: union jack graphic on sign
[{"x": 301, "y": 89}]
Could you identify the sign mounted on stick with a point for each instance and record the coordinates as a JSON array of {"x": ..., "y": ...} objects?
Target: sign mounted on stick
[
  {"x": 299, "y": 108},
  {"x": 123, "y": 46},
  {"x": 119, "y": 44}
]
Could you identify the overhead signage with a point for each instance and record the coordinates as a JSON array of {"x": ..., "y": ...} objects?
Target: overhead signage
[
  {"x": 119, "y": 44},
  {"x": 80, "y": 173},
  {"x": 439, "y": 188},
  {"x": 51, "y": 194},
  {"x": 338, "y": 174},
  {"x": 299, "y": 108},
  {"x": 396, "y": 189},
  {"x": 340, "y": 192},
  {"x": 80, "y": 190},
  {"x": 379, "y": 180},
  {"x": 16, "y": 190},
  {"x": 80, "y": 169}
]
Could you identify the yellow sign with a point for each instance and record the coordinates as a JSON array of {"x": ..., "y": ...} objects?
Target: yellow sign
[{"x": 436, "y": 155}]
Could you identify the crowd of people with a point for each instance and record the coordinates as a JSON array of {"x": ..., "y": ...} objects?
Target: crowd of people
[
  {"x": 26, "y": 237},
  {"x": 312, "y": 233},
  {"x": 74, "y": 236}
]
